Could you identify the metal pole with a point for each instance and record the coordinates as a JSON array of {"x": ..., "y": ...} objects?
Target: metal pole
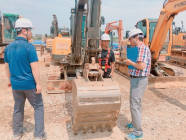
[{"x": 75, "y": 5}]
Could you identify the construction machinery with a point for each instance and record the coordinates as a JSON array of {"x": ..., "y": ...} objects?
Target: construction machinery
[
  {"x": 62, "y": 35},
  {"x": 119, "y": 28},
  {"x": 96, "y": 100},
  {"x": 178, "y": 37},
  {"x": 56, "y": 82},
  {"x": 83, "y": 41},
  {"x": 158, "y": 36},
  {"x": 7, "y": 34},
  {"x": 59, "y": 45},
  {"x": 178, "y": 46},
  {"x": 54, "y": 32}
]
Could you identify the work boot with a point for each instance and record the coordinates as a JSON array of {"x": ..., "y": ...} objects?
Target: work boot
[
  {"x": 44, "y": 137},
  {"x": 20, "y": 135}
]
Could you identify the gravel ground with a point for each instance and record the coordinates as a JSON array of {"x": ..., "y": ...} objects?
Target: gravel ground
[{"x": 163, "y": 116}]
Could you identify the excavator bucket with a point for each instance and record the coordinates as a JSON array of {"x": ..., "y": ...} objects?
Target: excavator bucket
[{"x": 96, "y": 105}]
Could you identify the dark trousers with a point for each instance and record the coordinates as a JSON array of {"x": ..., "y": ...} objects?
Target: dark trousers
[
  {"x": 106, "y": 75},
  {"x": 18, "y": 115}
]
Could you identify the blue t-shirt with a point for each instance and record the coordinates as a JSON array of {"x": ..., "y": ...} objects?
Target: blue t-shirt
[{"x": 19, "y": 54}]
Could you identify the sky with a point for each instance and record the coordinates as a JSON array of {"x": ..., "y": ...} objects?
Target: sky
[{"x": 129, "y": 11}]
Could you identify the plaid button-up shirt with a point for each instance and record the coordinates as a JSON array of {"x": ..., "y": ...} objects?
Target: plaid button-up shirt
[{"x": 144, "y": 55}]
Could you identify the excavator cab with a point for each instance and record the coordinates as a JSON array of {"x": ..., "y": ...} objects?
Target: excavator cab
[
  {"x": 7, "y": 32},
  {"x": 148, "y": 26},
  {"x": 7, "y": 24}
]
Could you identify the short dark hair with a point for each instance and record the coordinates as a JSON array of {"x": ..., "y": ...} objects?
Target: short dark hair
[
  {"x": 140, "y": 38},
  {"x": 19, "y": 32}
]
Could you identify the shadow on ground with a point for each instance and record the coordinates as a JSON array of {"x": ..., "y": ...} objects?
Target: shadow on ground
[{"x": 168, "y": 99}]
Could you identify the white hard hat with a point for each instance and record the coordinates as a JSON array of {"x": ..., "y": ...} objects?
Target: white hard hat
[
  {"x": 105, "y": 37},
  {"x": 134, "y": 32},
  {"x": 23, "y": 23}
]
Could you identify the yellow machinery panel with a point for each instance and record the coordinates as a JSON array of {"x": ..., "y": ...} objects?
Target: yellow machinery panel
[
  {"x": 61, "y": 45},
  {"x": 49, "y": 43}
]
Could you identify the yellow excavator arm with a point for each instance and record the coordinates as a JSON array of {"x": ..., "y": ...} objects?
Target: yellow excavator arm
[{"x": 167, "y": 14}]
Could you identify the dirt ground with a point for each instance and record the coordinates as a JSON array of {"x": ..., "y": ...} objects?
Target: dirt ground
[{"x": 163, "y": 116}]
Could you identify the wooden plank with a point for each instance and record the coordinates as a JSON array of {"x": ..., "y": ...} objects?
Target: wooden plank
[{"x": 57, "y": 91}]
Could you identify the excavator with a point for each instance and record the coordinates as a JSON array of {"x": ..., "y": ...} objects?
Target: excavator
[
  {"x": 158, "y": 36},
  {"x": 96, "y": 100},
  {"x": 59, "y": 44},
  {"x": 178, "y": 37},
  {"x": 110, "y": 27},
  {"x": 54, "y": 32},
  {"x": 61, "y": 39},
  {"x": 119, "y": 28},
  {"x": 56, "y": 81},
  {"x": 178, "y": 46},
  {"x": 7, "y": 34}
]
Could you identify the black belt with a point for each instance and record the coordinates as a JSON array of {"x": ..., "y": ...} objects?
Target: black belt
[{"x": 132, "y": 76}]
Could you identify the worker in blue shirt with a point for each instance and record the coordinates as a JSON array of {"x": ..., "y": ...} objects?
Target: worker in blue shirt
[{"x": 23, "y": 75}]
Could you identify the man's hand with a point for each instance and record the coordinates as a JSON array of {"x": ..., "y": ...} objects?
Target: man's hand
[
  {"x": 111, "y": 74},
  {"x": 128, "y": 61},
  {"x": 39, "y": 89}
]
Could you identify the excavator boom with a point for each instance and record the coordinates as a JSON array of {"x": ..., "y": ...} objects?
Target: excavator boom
[{"x": 167, "y": 14}]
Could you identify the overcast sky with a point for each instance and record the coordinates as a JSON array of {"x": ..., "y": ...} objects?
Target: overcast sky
[{"x": 129, "y": 11}]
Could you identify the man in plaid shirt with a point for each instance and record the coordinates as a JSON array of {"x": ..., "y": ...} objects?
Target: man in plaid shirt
[{"x": 138, "y": 82}]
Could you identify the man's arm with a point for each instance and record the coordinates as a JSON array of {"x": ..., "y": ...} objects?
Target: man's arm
[
  {"x": 112, "y": 60},
  {"x": 7, "y": 73},
  {"x": 35, "y": 72},
  {"x": 141, "y": 60},
  {"x": 112, "y": 69},
  {"x": 139, "y": 65}
]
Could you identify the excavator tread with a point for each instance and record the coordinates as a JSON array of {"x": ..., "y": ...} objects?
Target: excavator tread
[
  {"x": 159, "y": 82},
  {"x": 178, "y": 64},
  {"x": 122, "y": 74},
  {"x": 178, "y": 58}
]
